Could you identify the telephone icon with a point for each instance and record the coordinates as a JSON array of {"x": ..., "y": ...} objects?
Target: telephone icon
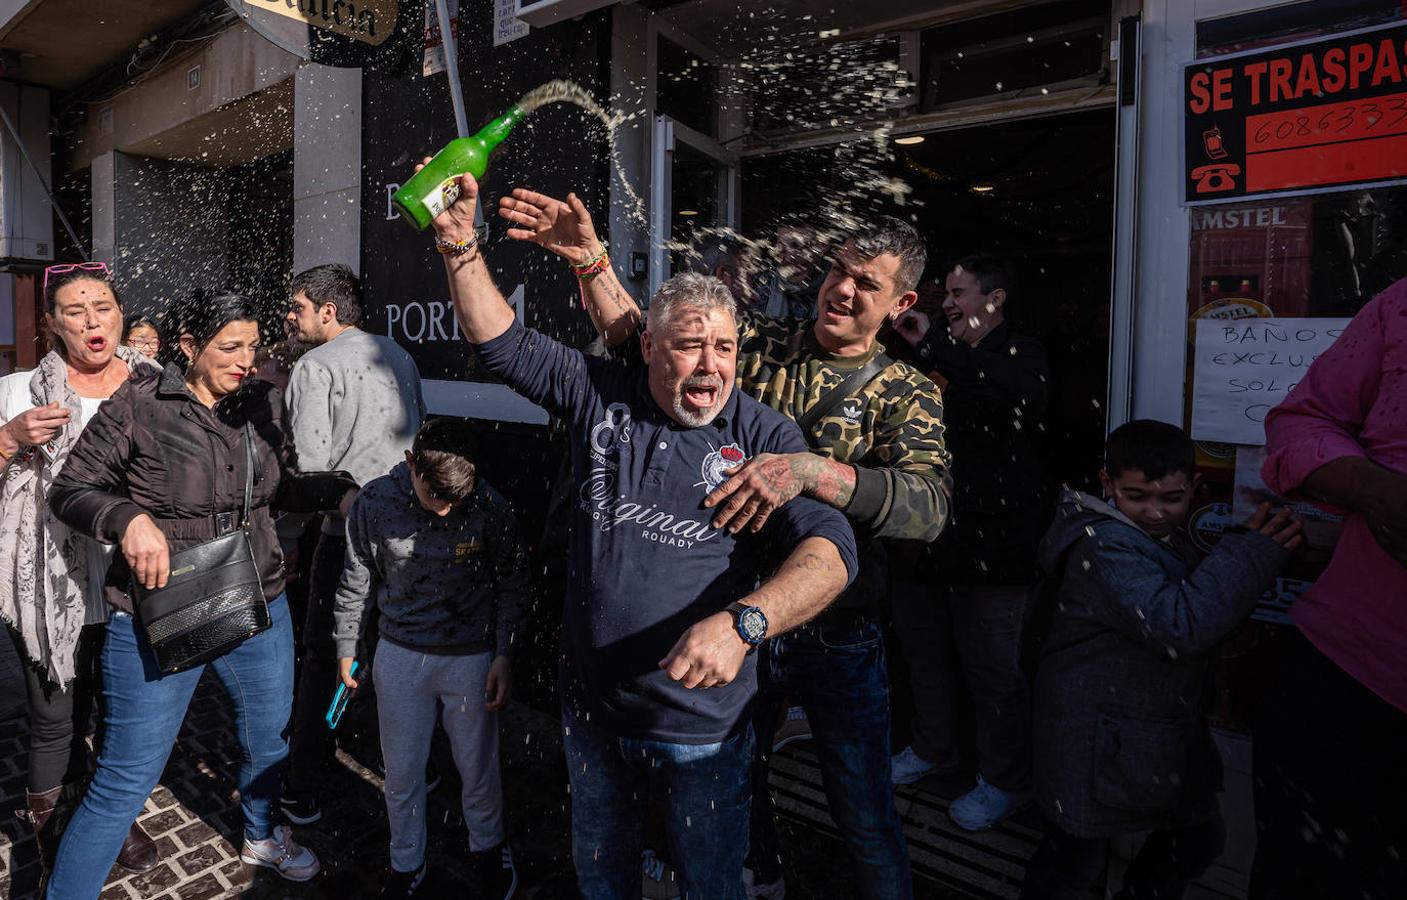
[{"x": 1215, "y": 178}]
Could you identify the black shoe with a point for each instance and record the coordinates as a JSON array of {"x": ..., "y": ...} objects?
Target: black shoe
[
  {"x": 301, "y": 810},
  {"x": 400, "y": 885},
  {"x": 498, "y": 880},
  {"x": 432, "y": 776}
]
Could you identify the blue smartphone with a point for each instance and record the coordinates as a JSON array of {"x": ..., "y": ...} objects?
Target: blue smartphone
[{"x": 340, "y": 699}]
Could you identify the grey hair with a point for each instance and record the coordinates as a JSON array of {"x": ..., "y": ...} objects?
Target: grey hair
[
  {"x": 887, "y": 234},
  {"x": 691, "y": 291}
]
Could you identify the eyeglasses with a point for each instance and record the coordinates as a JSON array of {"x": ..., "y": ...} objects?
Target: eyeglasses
[
  {"x": 144, "y": 343},
  {"x": 65, "y": 268}
]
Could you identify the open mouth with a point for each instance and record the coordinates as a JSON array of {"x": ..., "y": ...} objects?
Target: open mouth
[
  {"x": 838, "y": 311},
  {"x": 701, "y": 395},
  {"x": 954, "y": 315},
  {"x": 97, "y": 344}
]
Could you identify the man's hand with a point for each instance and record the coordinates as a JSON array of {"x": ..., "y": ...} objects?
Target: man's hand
[
  {"x": 1283, "y": 528},
  {"x": 758, "y": 487},
  {"x": 456, "y": 223},
  {"x": 498, "y": 687},
  {"x": 562, "y": 228},
  {"x": 344, "y": 671},
  {"x": 37, "y": 426},
  {"x": 147, "y": 553},
  {"x": 912, "y": 326},
  {"x": 709, "y": 654}
]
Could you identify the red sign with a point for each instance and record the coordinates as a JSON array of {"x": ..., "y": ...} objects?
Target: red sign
[{"x": 1329, "y": 113}]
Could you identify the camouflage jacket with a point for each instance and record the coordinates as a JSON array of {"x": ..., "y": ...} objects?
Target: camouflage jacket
[{"x": 891, "y": 430}]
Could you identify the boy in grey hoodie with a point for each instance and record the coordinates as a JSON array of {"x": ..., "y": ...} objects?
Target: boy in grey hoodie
[
  {"x": 439, "y": 554},
  {"x": 1121, "y": 735}
]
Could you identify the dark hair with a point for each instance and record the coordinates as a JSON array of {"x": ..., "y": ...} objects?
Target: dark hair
[
  {"x": 444, "y": 458},
  {"x": 139, "y": 320},
  {"x": 1154, "y": 448},
  {"x": 887, "y": 234},
  {"x": 205, "y": 317},
  {"x": 990, "y": 272},
  {"x": 51, "y": 290},
  {"x": 333, "y": 283},
  {"x": 713, "y": 250}
]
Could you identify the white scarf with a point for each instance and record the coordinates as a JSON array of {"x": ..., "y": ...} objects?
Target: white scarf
[{"x": 44, "y": 563}]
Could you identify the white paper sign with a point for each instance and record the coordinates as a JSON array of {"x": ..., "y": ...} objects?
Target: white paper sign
[
  {"x": 434, "y": 60},
  {"x": 1243, "y": 368},
  {"x": 506, "y": 26}
]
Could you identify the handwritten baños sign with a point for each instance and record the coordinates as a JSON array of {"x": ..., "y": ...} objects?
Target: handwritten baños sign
[
  {"x": 1243, "y": 368},
  {"x": 1326, "y": 113}
]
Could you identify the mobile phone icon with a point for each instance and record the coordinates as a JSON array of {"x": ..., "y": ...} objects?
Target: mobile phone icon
[{"x": 1211, "y": 142}]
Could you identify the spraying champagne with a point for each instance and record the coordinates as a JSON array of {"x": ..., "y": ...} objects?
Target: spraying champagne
[{"x": 431, "y": 190}]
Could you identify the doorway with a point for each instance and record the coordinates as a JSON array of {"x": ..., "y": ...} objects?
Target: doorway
[{"x": 1037, "y": 192}]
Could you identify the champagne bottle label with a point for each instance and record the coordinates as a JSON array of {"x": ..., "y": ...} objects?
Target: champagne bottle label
[{"x": 444, "y": 194}]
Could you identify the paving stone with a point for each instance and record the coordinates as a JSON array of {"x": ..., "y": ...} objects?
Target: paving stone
[
  {"x": 196, "y": 833},
  {"x": 157, "y": 881},
  {"x": 202, "y": 858},
  {"x": 163, "y": 822},
  {"x": 205, "y": 886}
]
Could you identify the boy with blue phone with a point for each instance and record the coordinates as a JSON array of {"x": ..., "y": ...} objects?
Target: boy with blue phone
[{"x": 439, "y": 554}]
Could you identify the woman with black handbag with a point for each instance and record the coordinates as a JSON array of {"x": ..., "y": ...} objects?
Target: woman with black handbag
[{"x": 182, "y": 469}]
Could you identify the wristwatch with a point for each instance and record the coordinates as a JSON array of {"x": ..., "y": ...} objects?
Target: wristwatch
[{"x": 750, "y": 622}]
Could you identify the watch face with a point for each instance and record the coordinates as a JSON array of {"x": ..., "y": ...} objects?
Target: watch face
[{"x": 753, "y": 625}]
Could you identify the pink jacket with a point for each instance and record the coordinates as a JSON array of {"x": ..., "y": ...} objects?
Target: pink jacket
[{"x": 1352, "y": 402}]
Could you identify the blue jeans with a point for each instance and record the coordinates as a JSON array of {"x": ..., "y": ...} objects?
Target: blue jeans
[
  {"x": 836, "y": 673},
  {"x": 703, "y": 789},
  {"x": 144, "y": 714}
]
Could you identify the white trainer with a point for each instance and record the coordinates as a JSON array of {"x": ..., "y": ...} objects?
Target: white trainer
[{"x": 281, "y": 853}]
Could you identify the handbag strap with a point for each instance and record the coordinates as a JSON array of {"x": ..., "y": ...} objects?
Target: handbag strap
[
  {"x": 852, "y": 383},
  {"x": 248, "y": 473}
]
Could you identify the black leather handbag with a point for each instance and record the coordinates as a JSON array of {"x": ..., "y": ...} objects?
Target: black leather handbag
[{"x": 214, "y": 598}]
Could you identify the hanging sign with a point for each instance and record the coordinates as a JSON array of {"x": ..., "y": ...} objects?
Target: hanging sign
[
  {"x": 336, "y": 32},
  {"x": 1316, "y": 115}
]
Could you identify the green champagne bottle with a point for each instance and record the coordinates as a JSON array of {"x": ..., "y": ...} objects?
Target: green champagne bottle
[{"x": 431, "y": 190}]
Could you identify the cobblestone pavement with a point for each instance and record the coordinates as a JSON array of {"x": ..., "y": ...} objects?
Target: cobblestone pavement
[{"x": 195, "y": 818}]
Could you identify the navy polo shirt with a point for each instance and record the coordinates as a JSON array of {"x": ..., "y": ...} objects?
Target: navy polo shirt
[{"x": 645, "y": 562}]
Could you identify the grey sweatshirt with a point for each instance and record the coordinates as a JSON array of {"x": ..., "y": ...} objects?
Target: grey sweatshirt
[
  {"x": 453, "y": 584},
  {"x": 354, "y": 404}
]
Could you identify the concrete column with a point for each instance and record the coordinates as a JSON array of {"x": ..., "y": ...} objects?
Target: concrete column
[
  {"x": 104, "y": 188},
  {"x": 327, "y": 166}
]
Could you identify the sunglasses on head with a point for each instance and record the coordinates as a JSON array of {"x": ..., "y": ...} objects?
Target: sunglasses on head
[{"x": 65, "y": 268}]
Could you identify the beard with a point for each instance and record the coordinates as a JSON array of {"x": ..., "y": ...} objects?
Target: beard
[{"x": 697, "y": 418}]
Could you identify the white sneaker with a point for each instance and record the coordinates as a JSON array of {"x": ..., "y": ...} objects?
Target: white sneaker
[
  {"x": 282, "y": 854},
  {"x": 986, "y": 805},
  {"x": 776, "y": 890},
  {"x": 659, "y": 881},
  {"x": 906, "y": 766}
]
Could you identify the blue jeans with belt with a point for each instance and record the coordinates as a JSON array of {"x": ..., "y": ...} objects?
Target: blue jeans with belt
[
  {"x": 144, "y": 713},
  {"x": 835, "y": 671},
  {"x": 703, "y": 789}
]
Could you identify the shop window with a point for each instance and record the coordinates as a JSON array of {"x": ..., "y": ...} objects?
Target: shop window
[
  {"x": 1297, "y": 21},
  {"x": 1014, "y": 51},
  {"x": 840, "y": 84},
  {"x": 686, "y": 88}
]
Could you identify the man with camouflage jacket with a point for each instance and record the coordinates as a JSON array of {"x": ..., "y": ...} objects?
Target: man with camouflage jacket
[{"x": 878, "y": 456}]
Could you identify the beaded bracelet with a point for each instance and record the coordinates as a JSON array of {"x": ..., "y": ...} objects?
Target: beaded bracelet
[
  {"x": 456, "y": 248},
  {"x": 593, "y": 266},
  {"x": 587, "y": 272}
]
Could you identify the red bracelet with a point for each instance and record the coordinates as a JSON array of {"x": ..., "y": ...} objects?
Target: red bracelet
[{"x": 589, "y": 271}]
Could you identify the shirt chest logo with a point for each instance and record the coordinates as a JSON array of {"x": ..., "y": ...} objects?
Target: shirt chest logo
[
  {"x": 466, "y": 549},
  {"x": 851, "y": 411},
  {"x": 714, "y": 464}
]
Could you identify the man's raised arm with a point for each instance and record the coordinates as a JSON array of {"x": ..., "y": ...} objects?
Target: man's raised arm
[
  {"x": 483, "y": 313},
  {"x": 566, "y": 229}
]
